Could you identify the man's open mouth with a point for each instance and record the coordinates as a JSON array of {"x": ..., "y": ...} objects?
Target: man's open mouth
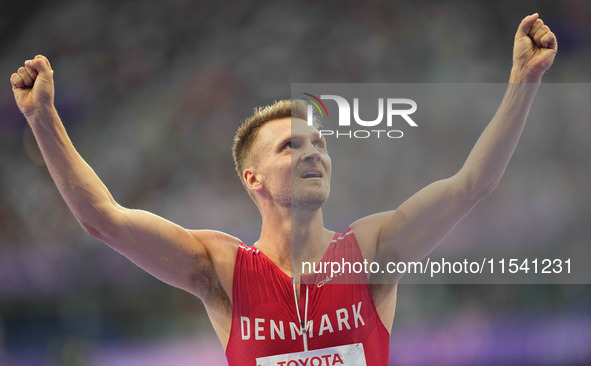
[{"x": 311, "y": 173}]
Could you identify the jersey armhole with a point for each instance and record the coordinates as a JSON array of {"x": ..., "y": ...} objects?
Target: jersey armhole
[
  {"x": 366, "y": 285},
  {"x": 241, "y": 246}
]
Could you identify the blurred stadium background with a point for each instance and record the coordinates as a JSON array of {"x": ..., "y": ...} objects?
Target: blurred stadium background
[{"x": 151, "y": 93}]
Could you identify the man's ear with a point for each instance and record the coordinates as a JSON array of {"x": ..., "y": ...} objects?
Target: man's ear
[{"x": 251, "y": 180}]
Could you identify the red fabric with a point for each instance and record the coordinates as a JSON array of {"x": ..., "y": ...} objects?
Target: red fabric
[{"x": 265, "y": 318}]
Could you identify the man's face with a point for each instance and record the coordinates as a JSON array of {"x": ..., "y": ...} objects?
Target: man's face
[{"x": 293, "y": 164}]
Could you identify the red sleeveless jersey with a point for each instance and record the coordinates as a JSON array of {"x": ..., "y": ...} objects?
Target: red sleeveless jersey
[{"x": 266, "y": 320}]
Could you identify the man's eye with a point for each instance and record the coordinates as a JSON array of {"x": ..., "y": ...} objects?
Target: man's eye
[{"x": 287, "y": 145}]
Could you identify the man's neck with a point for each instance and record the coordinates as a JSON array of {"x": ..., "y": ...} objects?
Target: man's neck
[{"x": 289, "y": 238}]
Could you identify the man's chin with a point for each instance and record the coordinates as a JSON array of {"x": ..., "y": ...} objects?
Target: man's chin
[{"x": 311, "y": 202}]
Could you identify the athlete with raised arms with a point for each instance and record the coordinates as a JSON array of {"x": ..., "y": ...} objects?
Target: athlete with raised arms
[{"x": 259, "y": 314}]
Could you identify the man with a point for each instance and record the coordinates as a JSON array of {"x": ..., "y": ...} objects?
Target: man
[{"x": 259, "y": 313}]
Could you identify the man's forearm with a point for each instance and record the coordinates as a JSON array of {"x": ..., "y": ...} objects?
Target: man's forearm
[
  {"x": 490, "y": 156},
  {"x": 85, "y": 194},
  {"x": 534, "y": 50}
]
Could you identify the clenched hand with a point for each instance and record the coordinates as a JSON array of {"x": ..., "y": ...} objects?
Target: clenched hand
[
  {"x": 32, "y": 86},
  {"x": 534, "y": 50}
]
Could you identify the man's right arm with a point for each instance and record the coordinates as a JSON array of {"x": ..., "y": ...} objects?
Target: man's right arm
[{"x": 177, "y": 256}]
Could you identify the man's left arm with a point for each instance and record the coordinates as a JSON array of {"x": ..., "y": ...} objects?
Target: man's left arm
[{"x": 413, "y": 230}]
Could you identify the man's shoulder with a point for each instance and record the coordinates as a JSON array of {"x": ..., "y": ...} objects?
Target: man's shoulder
[
  {"x": 214, "y": 278},
  {"x": 367, "y": 232}
]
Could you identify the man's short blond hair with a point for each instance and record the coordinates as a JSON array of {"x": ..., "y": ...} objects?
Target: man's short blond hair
[{"x": 242, "y": 150}]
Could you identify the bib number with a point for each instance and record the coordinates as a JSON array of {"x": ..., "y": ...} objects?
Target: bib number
[{"x": 349, "y": 355}]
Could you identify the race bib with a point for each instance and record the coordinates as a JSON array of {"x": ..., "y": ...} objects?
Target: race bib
[{"x": 349, "y": 355}]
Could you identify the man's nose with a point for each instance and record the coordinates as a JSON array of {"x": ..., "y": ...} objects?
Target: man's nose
[{"x": 311, "y": 153}]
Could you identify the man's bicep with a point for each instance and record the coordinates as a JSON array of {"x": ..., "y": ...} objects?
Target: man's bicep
[
  {"x": 421, "y": 222},
  {"x": 162, "y": 248}
]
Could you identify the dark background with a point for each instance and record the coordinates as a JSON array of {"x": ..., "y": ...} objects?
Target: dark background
[{"x": 151, "y": 93}]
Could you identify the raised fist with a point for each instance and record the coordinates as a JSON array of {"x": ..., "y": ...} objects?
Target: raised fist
[
  {"x": 534, "y": 49},
  {"x": 32, "y": 86}
]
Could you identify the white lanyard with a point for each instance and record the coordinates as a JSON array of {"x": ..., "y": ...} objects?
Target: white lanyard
[{"x": 304, "y": 324}]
